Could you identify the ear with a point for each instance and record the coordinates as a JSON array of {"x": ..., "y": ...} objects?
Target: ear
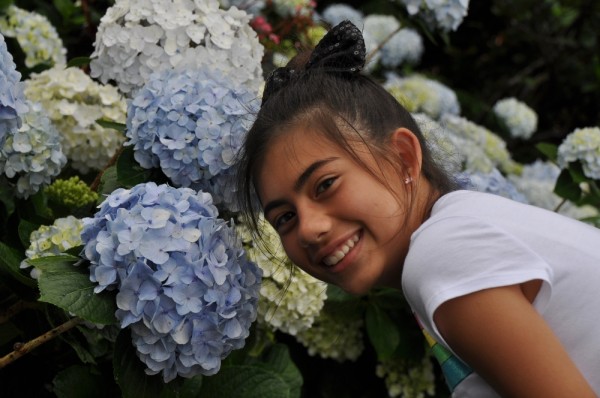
[{"x": 408, "y": 148}]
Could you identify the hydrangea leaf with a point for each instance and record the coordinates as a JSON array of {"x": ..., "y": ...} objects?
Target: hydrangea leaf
[
  {"x": 69, "y": 287},
  {"x": 129, "y": 171},
  {"x": 7, "y": 197},
  {"x": 78, "y": 62},
  {"x": 10, "y": 259},
  {"x": 25, "y": 229},
  {"x": 109, "y": 124},
  {"x": 382, "y": 332},
  {"x": 567, "y": 188},
  {"x": 80, "y": 381},
  {"x": 548, "y": 150},
  {"x": 108, "y": 182},
  {"x": 274, "y": 375}
]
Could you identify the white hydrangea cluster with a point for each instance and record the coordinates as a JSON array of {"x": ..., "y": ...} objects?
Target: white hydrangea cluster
[
  {"x": 377, "y": 28},
  {"x": 583, "y": 145},
  {"x": 138, "y": 37},
  {"x": 537, "y": 181},
  {"x": 293, "y": 8},
  {"x": 335, "y": 13},
  {"x": 74, "y": 102},
  {"x": 33, "y": 154},
  {"x": 51, "y": 240},
  {"x": 406, "y": 381},
  {"x": 519, "y": 118},
  {"x": 290, "y": 299},
  {"x": 335, "y": 336},
  {"x": 493, "y": 146},
  {"x": 406, "y": 46},
  {"x": 445, "y": 14},
  {"x": 35, "y": 34},
  {"x": 418, "y": 93}
]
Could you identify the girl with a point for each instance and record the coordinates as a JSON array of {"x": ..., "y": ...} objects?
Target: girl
[{"x": 506, "y": 292}]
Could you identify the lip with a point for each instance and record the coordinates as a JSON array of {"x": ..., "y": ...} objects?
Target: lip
[{"x": 348, "y": 258}]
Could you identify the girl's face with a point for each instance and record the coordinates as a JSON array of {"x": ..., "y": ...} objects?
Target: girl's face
[{"x": 335, "y": 219}]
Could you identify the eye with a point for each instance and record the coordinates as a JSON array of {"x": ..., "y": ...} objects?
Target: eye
[
  {"x": 281, "y": 220},
  {"x": 324, "y": 185}
]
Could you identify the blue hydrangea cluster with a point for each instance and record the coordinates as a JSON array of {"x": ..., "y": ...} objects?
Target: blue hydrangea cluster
[
  {"x": 333, "y": 14},
  {"x": 32, "y": 155},
  {"x": 190, "y": 124},
  {"x": 185, "y": 286},
  {"x": 444, "y": 14},
  {"x": 405, "y": 46},
  {"x": 494, "y": 183},
  {"x": 253, "y": 7},
  {"x": 12, "y": 100}
]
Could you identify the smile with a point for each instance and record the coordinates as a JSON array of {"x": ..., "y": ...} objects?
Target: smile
[{"x": 339, "y": 254}]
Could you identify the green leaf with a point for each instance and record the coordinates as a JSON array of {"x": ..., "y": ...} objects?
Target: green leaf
[
  {"x": 335, "y": 293},
  {"x": 274, "y": 375},
  {"x": 69, "y": 287},
  {"x": 382, "y": 332},
  {"x": 576, "y": 172},
  {"x": 129, "y": 171},
  {"x": 49, "y": 263},
  {"x": 567, "y": 188},
  {"x": 10, "y": 261},
  {"x": 4, "y": 4},
  {"x": 78, "y": 381},
  {"x": 548, "y": 150},
  {"x": 65, "y": 7},
  {"x": 25, "y": 230},
  {"x": 109, "y": 124},
  {"x": 6, "y": 197},
  {"x": 78, "y": 62},
  {"x": 108, "y": 183}
]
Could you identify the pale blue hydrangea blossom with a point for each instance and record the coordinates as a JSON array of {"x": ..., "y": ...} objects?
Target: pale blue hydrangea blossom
[
  {"x": 139, "y": 37},
  {"x": 493, "y": 146},
  {"x": 445, "y": 14},
  {"x": 495, "y": 183},
  {"x": 191, "y": 123},
  {"x": 52, "y": 240},
  {"x": 74, "y": 102},
  {"x": 537, "y": 181},
  {"x": 290, "y": 299},
  {"x": 185, "y": 287},
  {"x": 32, "y": 155},
  {"x": 418, "y": 93},
  {"x": 405, "y": 46},
  {"x": 333, "y": 14},
  {"x": 12, "y": 100},
  {"x": 519, "y": 118},
  {"x": 36, "y": 36},
  {"x": 583, "y": 145},
  {"x": 253, "y": 7}
]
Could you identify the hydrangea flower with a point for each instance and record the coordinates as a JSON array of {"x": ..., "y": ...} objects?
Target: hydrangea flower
[
  {"x": 495, "y": 183},
  {"x": 445, "y": 14},
  {"x": 337, "y": 336},
  {"x": 138, "y": 37},
  {"x": 420, "y": 94},
  {"x": 406, "y": 381},
  {"x": 493, "y": 146},
  {"x": 290, "y": 299},
  {"x": 520, "y": 119},
  {"x": 185, "y": 287},
  {"x": 583, "y": 145},
  {"x": 293, "y": 8},
  {"x": 405, "y": 46},
  {"x": 71, "y": 193},
  {"x": 253, "y": 7},
  {"x": 335, "y": 13},
  {"x": 35, "y": 34},
  {"x": 52, "y": 240},
  {"x": 191, "y": 123},
  {"x": 32, "y": 155},
  {"x": 537, "y": 181},
  {"x": 74, "y": 102},
  {"x": 12, "y": 100}
]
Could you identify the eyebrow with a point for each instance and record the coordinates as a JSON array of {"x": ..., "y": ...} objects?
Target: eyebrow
[{"x": 300, "y": 182}]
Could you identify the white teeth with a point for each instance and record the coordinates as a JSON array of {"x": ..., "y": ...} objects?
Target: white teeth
[{"x": 337, "y": 256}]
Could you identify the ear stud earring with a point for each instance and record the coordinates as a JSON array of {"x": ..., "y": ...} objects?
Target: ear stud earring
[{"x": 408, "y": 180}]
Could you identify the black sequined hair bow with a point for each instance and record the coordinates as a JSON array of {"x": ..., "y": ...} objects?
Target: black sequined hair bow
[{"x": 341, "y": 50}]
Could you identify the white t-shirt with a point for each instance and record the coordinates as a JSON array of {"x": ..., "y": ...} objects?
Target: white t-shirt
[{"x": 474, "y": 241}]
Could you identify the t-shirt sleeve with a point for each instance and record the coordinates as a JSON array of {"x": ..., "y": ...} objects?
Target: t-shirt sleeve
[{"x": 455, "y": 256}]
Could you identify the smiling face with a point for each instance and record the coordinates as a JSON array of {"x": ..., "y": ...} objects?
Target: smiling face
[{"x": 336, "y": 220}]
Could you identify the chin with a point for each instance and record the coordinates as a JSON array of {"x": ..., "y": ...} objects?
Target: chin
[{"x": 356, "y": 289}]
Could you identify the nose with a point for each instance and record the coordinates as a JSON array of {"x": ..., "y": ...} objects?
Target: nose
[{"x": 313, "y": 225}]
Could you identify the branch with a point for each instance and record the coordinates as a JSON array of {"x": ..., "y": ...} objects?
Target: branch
[
  {"x": 21, "y": 349},
  {"x": 383, "y": 43}
]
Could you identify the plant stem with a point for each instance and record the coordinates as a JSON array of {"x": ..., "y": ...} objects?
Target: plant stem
[
  {"x": 557, "y": 208},
  {"x": 21, "y": 349}
]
